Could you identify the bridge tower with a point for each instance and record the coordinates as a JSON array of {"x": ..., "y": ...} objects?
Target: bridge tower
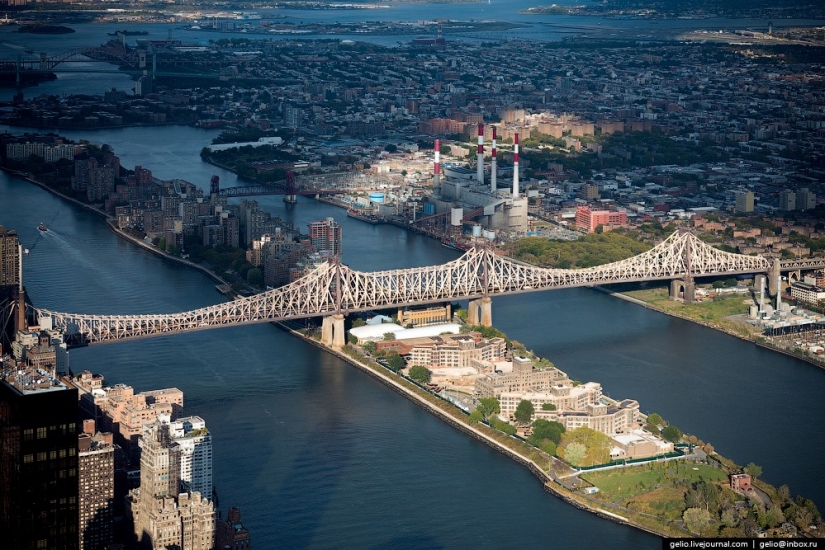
[
  {"x": 686, "y": 284},
  {"x": 332, "y": 326},
  {"x": 290, "y": 197},
  {"x": 481, "y": 309}
]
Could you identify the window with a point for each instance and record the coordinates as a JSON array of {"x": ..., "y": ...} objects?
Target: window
[
  {"x": 41, "y": 433},
  {"x": 27, "y": 459},
  {"x": 28, "y": 434},
  {"x": 41, "y": 457}
]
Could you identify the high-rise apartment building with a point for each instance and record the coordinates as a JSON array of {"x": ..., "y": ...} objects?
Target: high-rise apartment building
[
  {"x": 787, "y": 200},
  {"x": 744, "y": 201},
  {"x": 9, "y": 258},
  {"x": 195, "y": 444},
  {"x": 96, "y": 467},
  {"x": 326, "y": 236},
  {"x": 805, "y": 199},
  {"x": 293, "y": 116},
  {"x": 38, "y": 459},
  {"x": 162, "y": 515},
  {"x": 9, "y": 285}
]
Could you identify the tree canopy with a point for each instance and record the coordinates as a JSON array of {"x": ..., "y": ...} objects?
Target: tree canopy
[
  {"x": 524, "y": 412},
  {"x": 394, "y": 361},
  {"x": 546, "y": 430},
  {"x": 420, "y": 374},
  {"x": 588, "y": 251},
  {"x": 597, "y": 446},
  {"x": 488, "y": 406}
]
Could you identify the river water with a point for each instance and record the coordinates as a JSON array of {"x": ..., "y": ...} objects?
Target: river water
[{"x": 316, "y": 454}]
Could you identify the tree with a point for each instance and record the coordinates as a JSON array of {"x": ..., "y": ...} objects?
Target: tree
[
  {"x": 696, "y": 519},
  {"x": 476, "y": 417},
  {"x": 548, "y": 407},
  {"x": 599, "y": 229},
  {"x": 358, "y": 323},
  {"x": 488, "y": 407},
  {"x": 597, "y": 444},
  {"x": 548, "y": 447},
  {"x": 546, "y": 429},
  {"x": 255, "y": 276},
  {"x": 671, "y": 433},
  {"x": 729, "y": 518},
  {"x": 388, "y": 336},
  {"x": 420, "y": 374},
  {"x": 655, "y": 419},
  {"x": 524, "y": 412},
  {"x": 753, "y": 470},
  {"x": 774, "y": 516},
  {"x": 574, "y": 453},
  {"x": 369, "y": 347},
  {"x": 395, "y": 362}
]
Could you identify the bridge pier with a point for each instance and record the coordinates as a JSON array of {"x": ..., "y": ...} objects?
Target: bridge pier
[
  {"x": 688, "y": 288},
  {"x": 481, "y": 312},
  {"x": 332, "y": 331},
  {"x": 326, "y": 331}
]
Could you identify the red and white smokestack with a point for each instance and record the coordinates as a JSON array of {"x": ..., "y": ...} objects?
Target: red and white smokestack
[
  {"x": 480, "y": 155},
  {"x": 515, "y": 166},
  {"x": 493, "y": 165},
  {"x": 437, "y": 165}
]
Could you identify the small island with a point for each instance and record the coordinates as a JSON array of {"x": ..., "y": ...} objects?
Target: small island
[{"x": 45, "y": 29}]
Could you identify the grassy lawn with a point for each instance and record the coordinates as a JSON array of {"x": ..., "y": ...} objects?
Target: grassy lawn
[
  {"x": 666, "y": 502},
  {"x": 716, "y": 312},
  {"x": 627, "y": 484}
]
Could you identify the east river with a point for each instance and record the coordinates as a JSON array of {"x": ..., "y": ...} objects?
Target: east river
[{"x": 316, "y": 454}]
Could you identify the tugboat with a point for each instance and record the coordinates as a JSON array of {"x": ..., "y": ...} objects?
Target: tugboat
[{"x": 42, "y": 227}]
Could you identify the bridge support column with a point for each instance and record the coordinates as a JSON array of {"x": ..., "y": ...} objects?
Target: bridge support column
[
  {"x": 326, "y": 331},
  {"x": 686, "y": 286},
  {"x": 481, "y": 312},
  {"x": 339, "y": 339},
  {"x": 486, "y": 312},
  {"x": 473, "y": 317},
  {"x": 690, "y": 290},
  {"x": 675, "y": 287}
]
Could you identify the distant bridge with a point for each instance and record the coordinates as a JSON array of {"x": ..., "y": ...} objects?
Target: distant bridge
[
  {"x": 128, "y": 61},
  {"x": 311, "y": 184},
  {"x": 334, "y": 290}
]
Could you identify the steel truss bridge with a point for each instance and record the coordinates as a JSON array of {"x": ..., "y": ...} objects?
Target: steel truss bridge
[
  {"x": 312, "y": 184},
  {"x": 79, "y": 61},
  {"x": 333, "y": 289}
]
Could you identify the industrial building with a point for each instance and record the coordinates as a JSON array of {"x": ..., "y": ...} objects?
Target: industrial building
[{"x": 460, "y": 190}]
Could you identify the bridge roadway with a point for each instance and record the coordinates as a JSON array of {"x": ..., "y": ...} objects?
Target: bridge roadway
[{"x": 334, "y": 290}]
